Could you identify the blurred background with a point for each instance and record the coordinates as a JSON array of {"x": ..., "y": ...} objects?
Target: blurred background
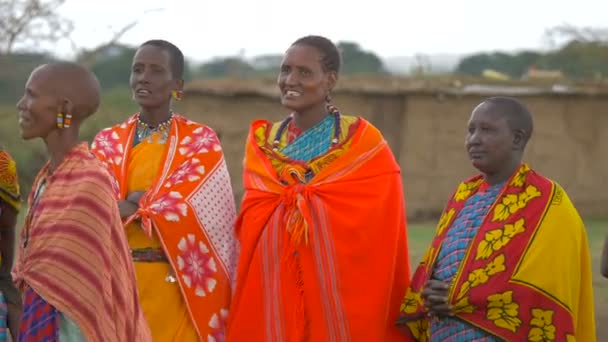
[{"x": 415, "y": 69}]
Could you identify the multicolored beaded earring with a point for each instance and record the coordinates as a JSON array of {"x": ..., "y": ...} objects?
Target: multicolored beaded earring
[
  {"x": 177, "y": 95},
  {"x": 64, "y": 120}
]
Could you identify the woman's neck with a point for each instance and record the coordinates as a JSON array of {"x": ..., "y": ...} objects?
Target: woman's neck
[
  {"x": 155, "y": 116},
  {"x": 307, "y": 119},
  {"x": 503, "y": 175},
  {"x": 60, "y": 143}
]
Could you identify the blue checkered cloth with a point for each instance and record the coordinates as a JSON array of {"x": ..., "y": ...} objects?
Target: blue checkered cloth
[
  {"x": 3, "y": 319},
  {"x": 452, "y": 252},
  {"x": 313, "y": 142},
  {"x": 39, "y": 320}
]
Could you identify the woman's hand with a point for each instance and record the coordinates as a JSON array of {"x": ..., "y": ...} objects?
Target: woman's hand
[
  {"x": 126, "y": 208},
  {"x": 435, "y": 295}
]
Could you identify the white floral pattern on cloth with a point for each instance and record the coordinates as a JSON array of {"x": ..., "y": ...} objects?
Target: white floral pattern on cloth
[
  {"x": 190, "y": 170},
  {"x": 214, "y": 208},
  {"x": 202, "y": 140},
  {"x": 196, "y": 265},
  {"x": 170, "y": 206},
  {"x": 108, "y": 145},
  {"x": 218, "y": 324}
]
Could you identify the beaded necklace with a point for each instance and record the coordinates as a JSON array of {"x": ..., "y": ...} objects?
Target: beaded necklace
[
  {"x": 145, "y": 131},
  {"x": 333, "y": 110}
]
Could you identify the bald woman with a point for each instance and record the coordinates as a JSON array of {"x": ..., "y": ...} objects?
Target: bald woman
[{"x": 73, "y": 267}]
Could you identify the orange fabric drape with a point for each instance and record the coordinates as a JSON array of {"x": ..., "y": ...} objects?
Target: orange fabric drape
[
  {"x": 190, "y": 208},
  {"x": 343, "y": 276}
]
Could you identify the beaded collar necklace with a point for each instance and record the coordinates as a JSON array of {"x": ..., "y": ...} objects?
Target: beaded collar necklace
[
  {"x": 144, "y": 130},
  {"x": 333, "y": 110}
]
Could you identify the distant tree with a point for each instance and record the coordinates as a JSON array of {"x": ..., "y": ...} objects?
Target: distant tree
[
  {"x": 14, "y": 71},
  {"x": 514, "y": 65},
  {"x": 422, "y": 65},
  {"x": 577, "y": 52},
  {"x": 267, "y": 62},
  {"x": 30, "y": 22},
  {"x": 474, "y": 64},
  {"x": 579, "y": 59},
  {"x": 357, "y": 61},
  {"x": 580, "y": 52},
  {"x": 112, "y": 65},
  {"x": 225, "y": 67},
  {"x": 561, "y": 35},
  {"x": 266, "y": 65},
  {"x": 109, "y": 48},
  {"x": 88, "y": 57}
]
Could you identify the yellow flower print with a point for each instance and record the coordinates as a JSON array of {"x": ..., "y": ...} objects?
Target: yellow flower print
[
  {"x": 420, "y": 330},
  {"x": 410, "y": 302},
  {"x": 542, "y": 326},
  {"x": 512, "y": 203},
  {"x": 496, "y": 266},
  {"x": 496, "y": 239},
  {"x": 532, "y": 192},
  {"x": 464, "y": 289},
  {"x": 462, "y": 192},
  {"x": 518, "y": 227},
  {"x": 503, "y": 311},
  {"x": 476, "y": 278},
  {"x": 445, "y": 220},
  {"x": 465, "y": 189},
  {"x": 541, "y": 318},
  {"x": 504, "y": 209},
  {"x": 463, "y": 306},
  {"x": 482, "y": 275},
  {"x": 520, "y": 178},
  {"x": 493, "y": 241},
  {"x": 427, "y": 256}
]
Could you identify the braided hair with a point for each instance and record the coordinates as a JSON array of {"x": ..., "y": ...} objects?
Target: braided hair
[{"x": 331, "y": 55}]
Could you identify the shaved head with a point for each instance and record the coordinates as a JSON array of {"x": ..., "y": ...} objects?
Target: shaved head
[
  {"x": 74, "y": 83},
  {"x": 517, "y": 115}
]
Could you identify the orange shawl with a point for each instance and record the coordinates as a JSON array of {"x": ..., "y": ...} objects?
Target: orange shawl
[
  {"x": 326, "y": 260},
  {"x": 505, "y": 284},
  {"x": 74, "y": 253},
  {"x": 191, "y": 207}
]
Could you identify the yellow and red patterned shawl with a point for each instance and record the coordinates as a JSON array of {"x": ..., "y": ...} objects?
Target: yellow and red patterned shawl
[
  {"x": 74, "y": 253},
  {"x": 191, "y": 207},
  {"x": 526, "y": 274},
  {"x": 9, "y": 181}
]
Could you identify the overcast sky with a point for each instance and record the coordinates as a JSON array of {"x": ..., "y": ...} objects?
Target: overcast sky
[{"x": 205, "y": 29}]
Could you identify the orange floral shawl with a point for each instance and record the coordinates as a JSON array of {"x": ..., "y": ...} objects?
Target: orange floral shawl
[{"x": 191, "y": 207}]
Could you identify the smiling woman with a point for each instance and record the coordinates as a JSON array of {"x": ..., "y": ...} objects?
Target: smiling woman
[
  {"x": 73, "y": 267},
  {"x": 322, "y": 225},
  {"x": 174, "y": 194}
]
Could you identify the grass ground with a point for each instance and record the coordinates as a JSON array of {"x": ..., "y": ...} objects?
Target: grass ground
[{"x": 420, "y": 236}]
